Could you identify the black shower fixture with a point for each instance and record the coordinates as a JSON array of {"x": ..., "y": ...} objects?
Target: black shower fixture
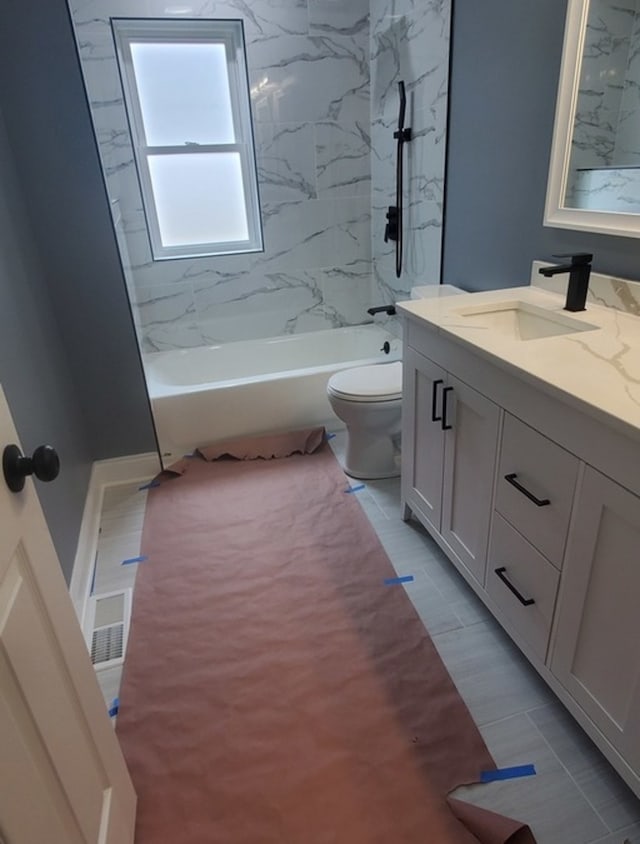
[{"x": 393, "y": 229}]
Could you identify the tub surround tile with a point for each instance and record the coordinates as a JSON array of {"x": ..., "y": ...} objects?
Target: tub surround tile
[
  {"x": 286, "y": 161},
  {"x": 310, "y": 78},
  {"x": 327, "y": 16},
  {"x": 343, "y": 159},
  {"x": 346, "y": 293},
  {"x": 409, "y": 41},
  {"x": 309, "y": 73},
  {"x": 324, "y": 95},
  {"x": 260, "y": 304},
  {"x": 167, "y": 318}
]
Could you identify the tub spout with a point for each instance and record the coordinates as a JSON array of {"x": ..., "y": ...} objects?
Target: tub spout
[{"x": 390, "y": 310}]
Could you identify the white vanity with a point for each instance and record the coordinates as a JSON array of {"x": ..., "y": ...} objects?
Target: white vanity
[{"x": 521, "y": 457}]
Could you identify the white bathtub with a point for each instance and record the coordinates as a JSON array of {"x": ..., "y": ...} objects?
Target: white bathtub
[{"x": 203, "y": 395}]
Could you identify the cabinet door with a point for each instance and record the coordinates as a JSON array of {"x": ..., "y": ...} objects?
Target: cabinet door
[
  {"x": 596, "y": 654},
  {"x": 422, "y": 436},
  {"x": 469, "y": 463}
]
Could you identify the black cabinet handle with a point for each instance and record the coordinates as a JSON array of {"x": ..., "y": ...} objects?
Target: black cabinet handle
[
  {"x": 445, "y": 424},
  {"x": 539, "y": 502},
  {"x": 44, "y": 464},
  {"x": 526, "y": 602},
  {"x": 434, "y": 400}
]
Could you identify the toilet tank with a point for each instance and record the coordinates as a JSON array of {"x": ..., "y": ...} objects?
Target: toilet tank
[{"x": 430, "y": 291}]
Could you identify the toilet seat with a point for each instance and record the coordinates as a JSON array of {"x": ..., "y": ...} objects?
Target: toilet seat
[{"x": 380, "y": 382}]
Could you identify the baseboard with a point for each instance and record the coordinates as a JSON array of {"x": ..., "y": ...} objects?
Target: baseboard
[{"x": 104, "y": 473}]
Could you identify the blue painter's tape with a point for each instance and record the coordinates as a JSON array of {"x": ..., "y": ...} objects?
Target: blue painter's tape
[
  {"x": 354, "y": 488},
  {"x": 330, "y": 436},
  {"x": 115, "y": 706},
  {"x": 508, "y": 773},
  {"x": 134, "y": 560},
  {"x": 391, "y": 581},
  {"x": 150, "y": 485}
]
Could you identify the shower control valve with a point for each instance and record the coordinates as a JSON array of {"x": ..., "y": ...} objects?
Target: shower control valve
[{"x": 391, "y": 229}]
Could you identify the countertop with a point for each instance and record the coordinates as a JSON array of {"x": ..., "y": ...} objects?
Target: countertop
[{"x": 597, "y": 370}]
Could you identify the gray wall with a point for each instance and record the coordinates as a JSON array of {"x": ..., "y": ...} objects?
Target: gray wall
[
  {"x": 50, "y": 132},
  {"x": 68, "y": 357},
  {"x": 505, "y": 67},
  {"x": 33, "y": 369}
]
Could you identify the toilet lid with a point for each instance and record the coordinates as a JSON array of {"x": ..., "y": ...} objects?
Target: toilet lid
[{"x": 379, "y": 382}]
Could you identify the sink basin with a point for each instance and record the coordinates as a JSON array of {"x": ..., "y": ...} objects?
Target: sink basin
[{"x": 520, "y": 320}]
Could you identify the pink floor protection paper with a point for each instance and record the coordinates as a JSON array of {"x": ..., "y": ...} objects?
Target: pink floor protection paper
[{"x": 276, "y": 691}]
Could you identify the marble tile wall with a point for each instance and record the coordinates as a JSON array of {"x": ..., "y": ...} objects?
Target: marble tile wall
[
  {"x": 607, "y": 125},
  {"x": 608, "y": 291},
  {"x": 627, "y": 147},
  {"x": 310, "y": 85},
  {"x": 607, "y": 189},
  {"x": 410, "y": 42}
]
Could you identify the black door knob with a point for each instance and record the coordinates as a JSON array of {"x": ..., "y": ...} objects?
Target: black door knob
[{"x": 44, "y": 464}]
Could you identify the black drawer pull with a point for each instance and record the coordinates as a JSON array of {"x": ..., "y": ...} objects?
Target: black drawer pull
[
  {"x": 539, "y": 502},
  {"x": 526, "y": 602},
  {"x": 434, "y": 400},
  {"x": 445, "y": 393}
]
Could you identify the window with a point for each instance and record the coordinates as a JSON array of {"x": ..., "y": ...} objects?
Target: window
[{"x": 187, "y": 98}]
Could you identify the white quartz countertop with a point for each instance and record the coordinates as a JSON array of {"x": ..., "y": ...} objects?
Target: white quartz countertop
[{"x": 597, "y": 370}]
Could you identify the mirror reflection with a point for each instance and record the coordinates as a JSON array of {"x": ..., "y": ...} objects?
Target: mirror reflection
[{"x": 604, "y": 170}]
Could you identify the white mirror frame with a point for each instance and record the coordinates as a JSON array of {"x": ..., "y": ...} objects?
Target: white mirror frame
[{"x": 556, "y": 213}]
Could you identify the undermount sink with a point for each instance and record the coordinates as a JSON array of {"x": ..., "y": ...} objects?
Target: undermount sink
[{"x": 520, "y": 320}]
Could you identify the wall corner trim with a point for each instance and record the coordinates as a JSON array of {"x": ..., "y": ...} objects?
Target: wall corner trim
[{"x": 104, "y": 473}]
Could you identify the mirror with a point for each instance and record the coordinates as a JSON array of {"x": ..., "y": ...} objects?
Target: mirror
[{"x": 594, "y": 174}]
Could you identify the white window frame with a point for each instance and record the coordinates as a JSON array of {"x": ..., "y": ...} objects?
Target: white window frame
[{"x": 230, "y": 33}]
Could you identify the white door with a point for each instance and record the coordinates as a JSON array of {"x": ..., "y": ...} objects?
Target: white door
[
  {"x": 63, "y": 779},
  {"x": 471, "y": 445},
  {"x": 596, "y": 653},
  {"x": 422, "y": 436}
]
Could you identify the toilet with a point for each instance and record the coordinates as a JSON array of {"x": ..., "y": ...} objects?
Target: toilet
[{"x": 368, "y": 399}]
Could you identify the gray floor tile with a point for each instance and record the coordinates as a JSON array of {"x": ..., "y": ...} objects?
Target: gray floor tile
[
  {"x": 109, "y": 682},
  {"x": 601, "y": 785},
  {"x": 550, "y": 802},
  {"x": 628, "y": 835},
  {"x": 436, "y": 615},
  {"x": 490, "y": 673}
]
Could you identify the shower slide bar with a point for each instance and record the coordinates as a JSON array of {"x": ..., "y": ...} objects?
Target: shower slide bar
[{"x": 393, "y": 228}]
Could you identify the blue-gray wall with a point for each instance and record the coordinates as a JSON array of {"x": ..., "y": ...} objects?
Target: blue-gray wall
[
  {"x": 68, "y": 356},
  {"x": 504, "y": 76},
  {"x": 33, "y": 368}
]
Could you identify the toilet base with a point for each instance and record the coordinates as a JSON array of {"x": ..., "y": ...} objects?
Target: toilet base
[{"x": 371, "y": 457}]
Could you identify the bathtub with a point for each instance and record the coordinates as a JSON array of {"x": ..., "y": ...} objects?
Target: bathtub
[{"x": 210, "y": 393}]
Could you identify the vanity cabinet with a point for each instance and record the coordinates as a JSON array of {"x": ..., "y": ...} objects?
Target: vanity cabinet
[
  {"x": 535, "y": 485},
  {"x": 596, "y": 649},
  {"x": 538, "y": 507},
  {"x": 449, "y": 477}
]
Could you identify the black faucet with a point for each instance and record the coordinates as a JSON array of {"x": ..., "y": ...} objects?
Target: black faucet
[
  {"x": 579, "y": 270},
  {"x": 390, "y": 310}
]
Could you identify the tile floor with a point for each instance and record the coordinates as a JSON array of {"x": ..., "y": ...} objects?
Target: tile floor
[{"x": 575, "y": 797}]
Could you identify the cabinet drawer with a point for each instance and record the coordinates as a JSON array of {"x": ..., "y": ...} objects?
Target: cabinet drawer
[
  {"x": 535, "y": 487},
  {"x": 533, "y": 577}
]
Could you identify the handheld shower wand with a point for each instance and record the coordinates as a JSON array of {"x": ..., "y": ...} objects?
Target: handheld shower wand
[{"x": 393, "y": 229}]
